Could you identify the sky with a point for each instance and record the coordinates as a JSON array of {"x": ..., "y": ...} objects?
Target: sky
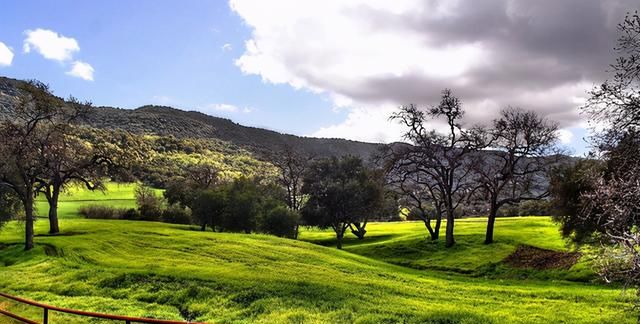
[{"x": 330, "y": 68}]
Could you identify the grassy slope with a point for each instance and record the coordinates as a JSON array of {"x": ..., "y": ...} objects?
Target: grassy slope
[
  {"x": 119, "y": 195},
  {"x": 154, "y": 269},
  {"x": 408, "y": 244},
  {"x": 170, "y": 271}
]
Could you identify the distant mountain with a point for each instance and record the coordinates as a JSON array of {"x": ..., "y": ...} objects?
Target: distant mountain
[{"x": 165, "y": 121}]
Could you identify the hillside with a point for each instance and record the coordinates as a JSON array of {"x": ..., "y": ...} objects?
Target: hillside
[
  {"x": 161, "y": 120},
  {"x": 174, "y": 272}
]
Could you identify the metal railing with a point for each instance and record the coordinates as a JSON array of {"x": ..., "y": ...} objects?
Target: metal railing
[{"x": 46, "y": 308}]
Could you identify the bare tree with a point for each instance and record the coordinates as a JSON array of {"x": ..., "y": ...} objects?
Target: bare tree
[
  {"x": 418, "y": 190},
  {"x": 515, "y": 168},
  {"x": 291, "y": 167},
  {"x": 442, "y": 157}
]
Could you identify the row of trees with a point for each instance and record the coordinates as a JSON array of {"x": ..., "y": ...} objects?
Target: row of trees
[
  {"x": 43, "y": 150},
  {"x": 503, "y": 164},
  {"x": 338, "y": 193}
]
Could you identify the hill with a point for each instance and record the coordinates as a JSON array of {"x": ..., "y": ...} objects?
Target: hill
[
  {"x": 174, "y": 272},
  {"x": 165, "y": 121}
]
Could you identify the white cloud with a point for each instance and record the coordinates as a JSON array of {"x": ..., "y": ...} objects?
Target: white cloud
[
  {"x": 50, "y": 44},
  {"x": 565, "y": 136},
  {"x": 6, "y": 55},
  {"x": 81, "y": 70},
  {"x": 227, "y": 47},
  {"x": 56, "y": 47},
  {"x": 366, "y": 55},
  {"x": 368, "y": 125}
]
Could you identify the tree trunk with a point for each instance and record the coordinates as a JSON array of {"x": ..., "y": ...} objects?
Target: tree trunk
[
  {"x": 436, "y": 230},
  {"x": 28, "y": 210},
  {"x": 339, "y": 236},
  {"x": 54, "y": 227},
  {"x": 203, "y": 226},
  {"x": 432, "y": 233},
  {"x": 296, "y": 230},
  {"x": 450, "y": 241},
  {"x": 360, "y": 230},
  {"x": 490, "y": 224}
]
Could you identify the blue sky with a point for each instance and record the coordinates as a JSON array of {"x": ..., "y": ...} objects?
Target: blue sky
[
  {"x": 328, "y": 68},
  {"x": 161, "y": 52}
]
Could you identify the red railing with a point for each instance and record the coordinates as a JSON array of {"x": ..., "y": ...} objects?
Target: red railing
[{"x": 46, "y": 308}]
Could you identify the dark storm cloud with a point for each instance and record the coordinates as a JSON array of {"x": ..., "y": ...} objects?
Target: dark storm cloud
[
  {"x": 536, "y": 54},
  {"x": 536, "y": 46}
]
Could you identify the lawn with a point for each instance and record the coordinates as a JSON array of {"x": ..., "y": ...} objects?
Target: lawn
[
  {"x": 408, "y": 244},
  {"x": 118, "y": 195},
  {"x": 395, "y": 275}
]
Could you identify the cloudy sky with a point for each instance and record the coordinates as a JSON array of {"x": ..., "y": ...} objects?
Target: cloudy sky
[{"x": 329, "y": 68}]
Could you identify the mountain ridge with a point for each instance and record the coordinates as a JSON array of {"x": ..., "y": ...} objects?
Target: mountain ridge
[{"x": 170, "y": 121}]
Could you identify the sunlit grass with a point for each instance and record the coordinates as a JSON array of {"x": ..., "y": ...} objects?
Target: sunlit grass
[{"x": 176, "y": 272}]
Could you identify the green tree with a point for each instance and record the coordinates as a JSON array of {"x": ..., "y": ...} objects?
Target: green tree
[
  {"x": 208, "y": 207},
  {"x": 242, "y": 207},
  {"x": 341, "y": 193},
  {"x": 24, "y": 139},
  {"x": 280, "y": 221}
]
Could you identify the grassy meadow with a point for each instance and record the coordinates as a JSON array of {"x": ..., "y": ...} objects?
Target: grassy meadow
[{"x": 394, "y": 275}]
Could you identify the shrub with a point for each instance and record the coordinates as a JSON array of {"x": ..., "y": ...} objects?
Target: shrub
[
  {"x": 176, "y": 214},
  {"x": 131, "y": 214},
  {"x": 149, "y": 204},
  {"x": 279, "y": 221},
  {"x": 102, "y": 212}
]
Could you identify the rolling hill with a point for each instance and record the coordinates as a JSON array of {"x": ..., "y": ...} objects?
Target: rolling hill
[
  {"x": 176, "y": 272},
  {"x": 165, "y": 121}
]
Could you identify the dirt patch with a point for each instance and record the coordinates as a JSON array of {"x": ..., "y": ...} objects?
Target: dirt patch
[{"x": 530, "y": 257}]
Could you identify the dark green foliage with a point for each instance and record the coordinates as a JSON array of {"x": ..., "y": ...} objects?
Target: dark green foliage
[
  {"x": 568, "y": 184},
  {"x": 342, "y": 193},
  {"x": 280, "y": 221},
  {"x": 10, "y": 205},
  {"x": 176, "y": 214},
  {"x": 178, "y": 191},
  {"x": 242, "y": 206},
  {"x": 208, "y": 207},
  {"x": 102, "y": 212}
]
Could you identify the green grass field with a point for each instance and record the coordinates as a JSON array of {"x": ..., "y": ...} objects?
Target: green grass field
[
  {"x": 119, "y": 195},
  {"x": 394, "y": 275}
]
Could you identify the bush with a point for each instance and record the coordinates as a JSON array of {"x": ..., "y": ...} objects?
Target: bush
[
  {"x": 279, "y": 221},
  {"x": 103, "y": 212},
  {"x": 149, "y": 204},
  {"x": 176, "y": 214},
  {"x": 131, "y": 214}
]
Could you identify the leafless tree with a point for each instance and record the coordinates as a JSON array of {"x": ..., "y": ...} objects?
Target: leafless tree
[
  {"x": 417, "y": 188},
  {"x": 291, "y": 166},
  {"x": 515, "y": 168},
  {"x": 442, "y": 157}
]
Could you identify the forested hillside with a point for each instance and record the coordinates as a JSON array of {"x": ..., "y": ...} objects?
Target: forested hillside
[{"x": 166, "y": 121}]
